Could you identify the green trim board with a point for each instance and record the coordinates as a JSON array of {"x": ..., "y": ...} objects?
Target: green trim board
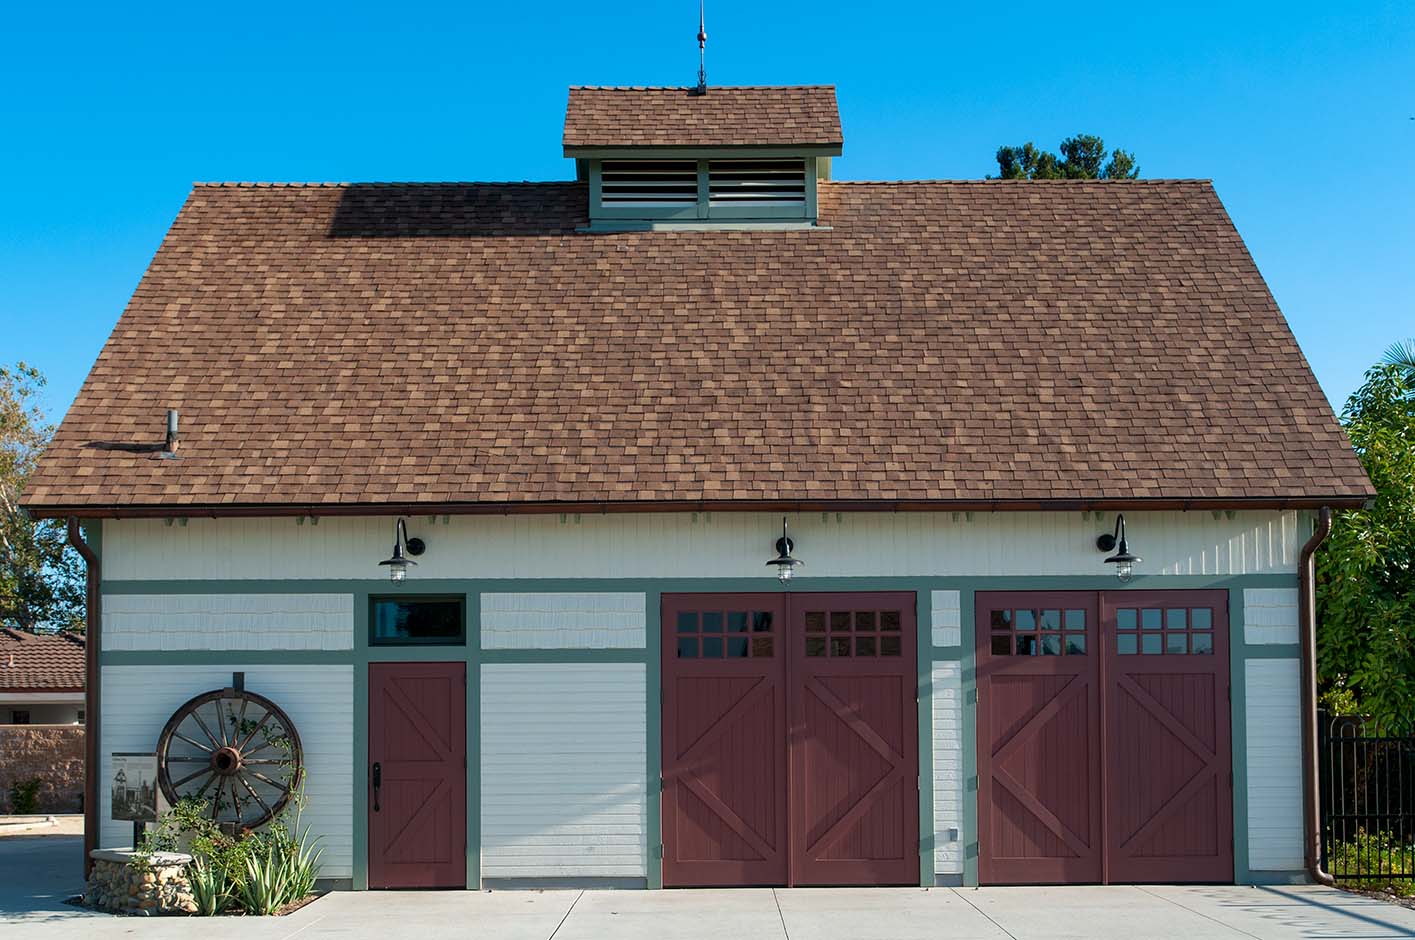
[{"x": 362, "y": 654}]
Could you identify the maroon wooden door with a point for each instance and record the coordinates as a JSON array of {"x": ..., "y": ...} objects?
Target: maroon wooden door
[
  {"x": 1104, "y": 737},
  {"x": 854, "y": 741},
  {"x": 1039, "y": 786},
  {"x": 1169, "y": 796},
  {"x": 724, "y": 732},
  {"x": 790, "y": 739},
  {"x": 418, "y": 744}
]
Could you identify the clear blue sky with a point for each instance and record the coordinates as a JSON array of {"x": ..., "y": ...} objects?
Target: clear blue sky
[{"x": 1300, "y": 113}]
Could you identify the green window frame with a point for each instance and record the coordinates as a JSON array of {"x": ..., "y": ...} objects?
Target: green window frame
[{"x": 460, "y": 639}]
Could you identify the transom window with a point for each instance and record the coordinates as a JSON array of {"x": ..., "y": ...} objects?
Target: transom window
[
  {"x": 414, "y": 620},
  {"x": 861, "y": 633},
  {"x": 1044, "y": 631},
  {"x": 1164, "y": 631},
  {"x": 725, "y": 634}
]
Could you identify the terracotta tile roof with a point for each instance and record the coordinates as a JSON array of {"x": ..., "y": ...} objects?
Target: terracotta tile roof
[
  {"x": 44, "y": 662},
  {"x": 726, "y": 116},
  {"x": 463, "y": 343}
]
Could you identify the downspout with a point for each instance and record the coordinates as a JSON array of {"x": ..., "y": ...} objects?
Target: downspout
[
  {"x": 1311, "y": 764},
  {"x": 92, "y": 640}
]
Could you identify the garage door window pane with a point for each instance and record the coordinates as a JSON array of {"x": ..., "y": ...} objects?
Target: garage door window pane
[
  {"x": 1201, "y": 643},
  {"x": 1075, "y": 644},
  {"x": 1026, "y": 646},
  {"x": 1176, "y": 619},
  {"x": 736, "y": 647},
  {"x": 1025, "y": 620},
  {"x": 890, "y": 646},
  {"x": 1001, "y": 619},
  {"x": 839, "y": 622},
  {"x": 712, "y": 622},
  {"x": 815, "y": 621},
  {"x": 687, "y": 647},
  {"x": 712, "y": 647},
  {"x": 1125, "y": 644},
  {"x": 737, "y": 621},
  {"x": 1201, "y": 618},
  {"x": 1150, "y": 644},
  {"x": 687, "y": 622},
  {"x": 1075, "y": 620},
  {"x": 815, "y": 646},
  {"x": 889, "y": 620},
  {"x": 1051, "y": 644},
  {"x": 1002, "y": 645},
  {"x": 1125, "y": 619},
  {"x": 761, "y": 621},
  {"x": 1176, "y": 643},
  {"x": 1151, "y": 618},
  {"x": 761, "y": 647}
]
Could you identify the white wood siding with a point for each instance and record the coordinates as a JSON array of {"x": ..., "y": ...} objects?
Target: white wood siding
[
  {"x": 1269, "y": 615},
  {"x": 945, "y": 611},
  {"x": 563, "y": 621},
  {"x": 228, "y": 621},
  {"x": 1274, "y": 712},
  {"x": 138, "y": 700},
  {"x": 563, "y": 760},
  {"x": 947, "y": 683},
  {"x": 634, "y": 545}
]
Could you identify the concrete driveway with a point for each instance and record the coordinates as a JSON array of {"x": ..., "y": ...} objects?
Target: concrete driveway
[{"x": 37, "y": 873}]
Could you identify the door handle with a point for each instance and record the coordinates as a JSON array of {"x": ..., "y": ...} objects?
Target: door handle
[{"x": 377, "y": 783}]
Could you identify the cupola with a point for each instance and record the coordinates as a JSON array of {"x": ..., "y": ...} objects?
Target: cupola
[{"x": 719, "y": 157}]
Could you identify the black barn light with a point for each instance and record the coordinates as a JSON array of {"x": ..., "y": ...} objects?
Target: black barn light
[
  {"x": 785, "y": 565},
  {"x": 398, "y": 563},
  {"x": 1122, "y": 559}
]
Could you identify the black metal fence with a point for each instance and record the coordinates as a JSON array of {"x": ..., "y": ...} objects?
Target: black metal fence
[{"x": 1367, "y": 801}]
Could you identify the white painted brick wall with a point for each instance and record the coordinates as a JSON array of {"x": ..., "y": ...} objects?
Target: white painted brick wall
[
  {"x": 947, "y": 684},
  {"x": 1270, "y": 615},
  {"x": 563, "y": 621},
  {"x": 563, "y": 757},
  {"x": 1273, "y": 709},
  {"x": 228, "y": 621},
  {"x": 947, "y": 614}
]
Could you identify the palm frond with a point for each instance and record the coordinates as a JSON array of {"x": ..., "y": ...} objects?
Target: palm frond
[{"x": 1401, "y": 355}]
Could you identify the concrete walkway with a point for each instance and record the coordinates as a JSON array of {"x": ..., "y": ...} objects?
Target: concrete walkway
[{"x": 38, "y": 873}]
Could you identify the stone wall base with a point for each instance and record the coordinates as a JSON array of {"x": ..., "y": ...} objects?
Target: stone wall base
[{"x": 117, "y": 886}]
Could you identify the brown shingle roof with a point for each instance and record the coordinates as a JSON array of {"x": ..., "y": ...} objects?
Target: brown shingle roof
[
  {"x": 463, "y": 343},
  {"x": 45, "y": 662},
  {"x": 729, "y": 116}
]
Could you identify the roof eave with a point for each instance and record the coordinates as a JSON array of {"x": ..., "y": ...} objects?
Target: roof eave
[{"x": 1067, "y": 504}]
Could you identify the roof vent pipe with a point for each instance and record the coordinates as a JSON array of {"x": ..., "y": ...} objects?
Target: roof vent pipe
[{"x": 170, "y": 445}]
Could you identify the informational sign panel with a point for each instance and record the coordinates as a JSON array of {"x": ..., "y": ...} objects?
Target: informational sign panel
[{"x": 135, "y": 787}]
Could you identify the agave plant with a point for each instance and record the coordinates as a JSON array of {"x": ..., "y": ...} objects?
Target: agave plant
[
  {"x": 211, "y": 889},
  {"x": 266, "y": 885}
]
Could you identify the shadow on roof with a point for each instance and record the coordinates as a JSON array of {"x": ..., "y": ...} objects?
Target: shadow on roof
[{"x": 458, "y": 210}]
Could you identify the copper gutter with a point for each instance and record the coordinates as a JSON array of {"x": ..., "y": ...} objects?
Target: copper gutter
[
  {"x": 1311, "y": 769},
  {"x": 91, "y": 688}
]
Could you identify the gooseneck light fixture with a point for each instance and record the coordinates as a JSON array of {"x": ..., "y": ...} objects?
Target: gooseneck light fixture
[
  {"x": 1122, "y": 559},
  {"x": 785, "y": 565},
  {"x": 398, "y": 563}
]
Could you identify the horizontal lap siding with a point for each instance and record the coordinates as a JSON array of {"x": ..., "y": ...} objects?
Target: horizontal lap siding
[
  {"x": 1274, "y": 765},
  {"x": 947, "y": 613},
  {"x": 947, "y": 691},
  {"x": 228, "y": 621},
  {"x": 138, "y": 700},
  {"x": 563, "y": 757},
  {"x": 563, "y": 621},
  {"x": 714, "y": 545},
  {"x": 1269, "y": 615}
]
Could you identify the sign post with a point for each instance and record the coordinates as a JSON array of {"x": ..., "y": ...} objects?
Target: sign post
[{"x": 134, "y": 790}]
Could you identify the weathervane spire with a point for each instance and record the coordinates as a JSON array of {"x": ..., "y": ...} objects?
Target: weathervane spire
[{"x": 702, "y": 54}]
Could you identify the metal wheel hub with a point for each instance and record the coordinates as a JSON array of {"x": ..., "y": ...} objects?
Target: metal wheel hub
[{"x": 226, "y": 761}]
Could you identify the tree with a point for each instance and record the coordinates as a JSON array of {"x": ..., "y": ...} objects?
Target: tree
[
  {"x": 41, "y": 576},
  {"x": 1083, "y": 157},
  {"x": 1366, "y": 568},
  {"x": 1402, "y": 355}
]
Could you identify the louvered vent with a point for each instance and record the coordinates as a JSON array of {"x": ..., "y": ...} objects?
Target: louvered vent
[
  {"x": 756, "y": 183},
  {"x": 649, "y": 183}
]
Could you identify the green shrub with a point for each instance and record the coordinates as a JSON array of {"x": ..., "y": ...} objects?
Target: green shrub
[
  {"x": 1374, "y": 852},
  {"x": 24, "y": 796},
  {"x": 260, "y": 871}
]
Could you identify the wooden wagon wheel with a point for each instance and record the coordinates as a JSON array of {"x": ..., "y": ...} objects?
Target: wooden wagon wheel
[{"x": 233, "y": 750}]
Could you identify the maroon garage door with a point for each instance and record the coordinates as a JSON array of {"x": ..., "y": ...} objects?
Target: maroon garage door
[
  {"x": 1103, "y": 737},
  {"x": 790, "y": 745}
]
